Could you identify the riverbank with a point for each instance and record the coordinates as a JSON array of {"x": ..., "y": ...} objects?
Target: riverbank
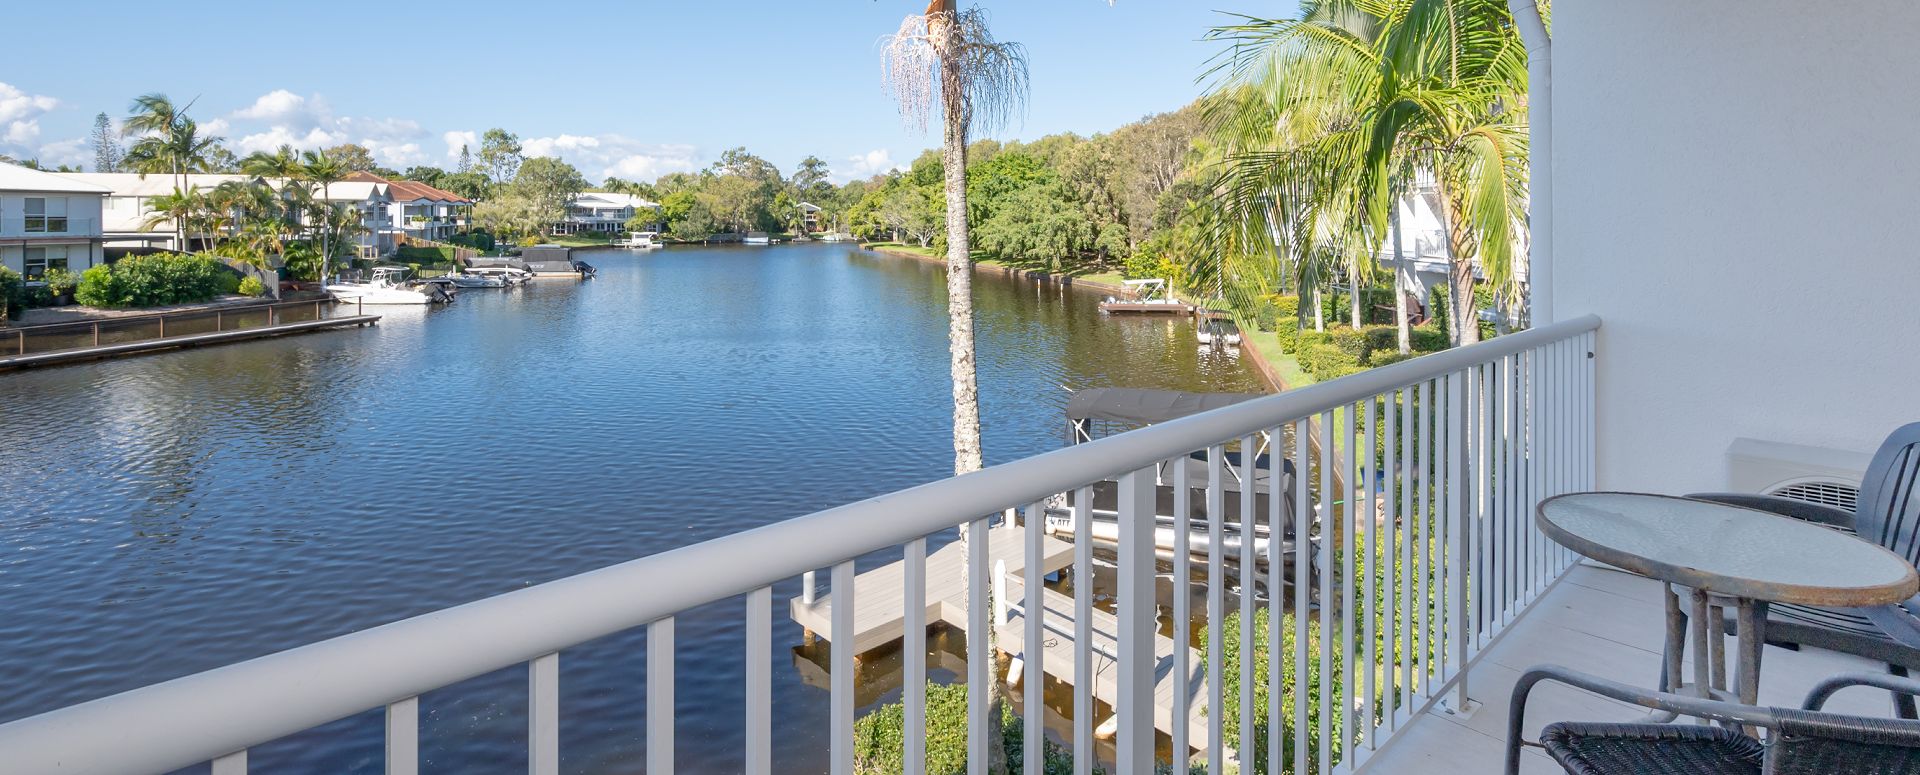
[{"x": 1106, "y": 281}]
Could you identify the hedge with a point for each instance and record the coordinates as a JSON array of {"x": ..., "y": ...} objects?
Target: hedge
[
  {"x": 424, "y": 254},
  {"x": 1352, "y": 342},
  {"x": 153, "y": 280},
  {"x": 879, "y": 737},
  {"x": 1289, "y": 306},
  {"x": 1382, "y": 338},
  {"x": 1325, "y": 361},
  {"x": 1293, "y": 678},
  {"x": 1287, "y": 331},
  {"x": 11, "y": 296},
  {"x": 1387, "y": 357},
  {"x": 1430, "y": 339}
]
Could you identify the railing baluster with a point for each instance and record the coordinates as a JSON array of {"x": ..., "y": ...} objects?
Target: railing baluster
[
  {"x": 913, "y": 693},
  {"x": 660, "y": 713},
  {"x": 1392, "y": 490},
  {"x": 1510, "y": 486},
  {"x": 1248, "y": 577},
  {"x": 1276, "y": 591},
  {"x": 978, "y": 659},
  {"x": 1369, "y": 605},
  {"x": 1587, "y": 449},
  {"x": 1479, "y": 577},
  {"x": 232, "y": 764},
  {"x": 1459, "y": 522},
  {"x": 1339, "y": 703},
  {"x": 841, "y": 670},
  {"x": 1182, "y": 611},
  {"x": 1033, "y": 675},
  {"x": 1139, "y": 622},
  {"x": 543, "y": 715},
  {"x": 1338, "y": 509},
  {"x": 1217, "y": 604},
  {"x": 1083, "y": 752},
  {"x": 759, "y": 721},
  {"x": 403, "y": 737},
  {"x": 1303, "y": 574}
]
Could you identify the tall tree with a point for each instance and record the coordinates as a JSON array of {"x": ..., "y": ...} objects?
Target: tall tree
[
  {"x": 950, "y": 59},
  {"x": 466, "y": 160},
  {"x": 106, "y": 145},
  {"x": 811, "y": 172},
  {"x": 352, "y": 156},
  {"x": 323, "y": 170},
  {"x": 549, "y": 184},
  {"x": 500, "y": 154}
]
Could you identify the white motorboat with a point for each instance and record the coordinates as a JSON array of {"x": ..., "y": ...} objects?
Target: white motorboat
[
  {"x": 466, "y": 280},
  {"x": 388, "y": 286},
  {"x": 642, "y": 240},
  {"x": 508, "y": 275},
  {"x": 758, "y": 238}
]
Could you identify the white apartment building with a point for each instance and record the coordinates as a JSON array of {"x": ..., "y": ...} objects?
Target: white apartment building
[{"x": 48, "y": 222}]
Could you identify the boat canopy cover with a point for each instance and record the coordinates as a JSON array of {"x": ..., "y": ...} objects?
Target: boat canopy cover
[{"x": 1146, "y": 407}]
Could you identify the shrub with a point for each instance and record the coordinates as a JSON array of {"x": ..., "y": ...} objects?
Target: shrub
[
  {"x": 11, "y": 302},
  {"x": 1288, "y": 306},
  {"x": 1323, "y": 360},
  {"x": 152, "y": 280},
  {"x": 1385, "y": 357},
  {"x": 1309, "y": 338},
  {"x": 1266, "y": 315},
  {"x": 878, "y": 737},
  {"x": 425, "y": 254},
  {"x": 1294, "y": 677},
  {"x": 250, "y": 286},
  {"x": 1287, "y": 331},
  {"x": 60, "y": 282},
  {"x": 303, "y": 262},
  {"x": 1382, "y": 338},
  {"x": 1352, "y": 342},
  {"x": 1429, "y": 339}
]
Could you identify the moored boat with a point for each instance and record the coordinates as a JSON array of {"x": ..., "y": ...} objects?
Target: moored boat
[{"x": 387, "y": 286}]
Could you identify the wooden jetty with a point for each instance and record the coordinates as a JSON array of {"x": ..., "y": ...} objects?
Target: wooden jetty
[
  {"x": 1146, "y": 308},
  {"x": 10, "y": 362},
  {"x": 879, "y": 619}
]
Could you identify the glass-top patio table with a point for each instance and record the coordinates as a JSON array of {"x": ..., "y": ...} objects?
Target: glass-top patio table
[{"x": 1724, "y": 556}]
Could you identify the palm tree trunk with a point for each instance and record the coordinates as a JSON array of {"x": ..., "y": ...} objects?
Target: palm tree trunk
[
  {"x": 1401, "y": 319},
  {"x": 1460, "y": 253},
  {"x": 1353, "y": 288},
  {"x": 1319, "y": 310}
]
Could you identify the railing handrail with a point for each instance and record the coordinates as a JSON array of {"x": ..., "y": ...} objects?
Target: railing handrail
[{"x": 207, "y": 715}]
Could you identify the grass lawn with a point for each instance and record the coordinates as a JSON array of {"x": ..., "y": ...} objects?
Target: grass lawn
[
  {"x": 1282, "y": 363},
  {"x": 1088, "y": 273}
]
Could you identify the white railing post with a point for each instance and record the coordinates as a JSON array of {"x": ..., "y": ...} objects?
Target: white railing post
[
  {"x": 660, "y": 712},
  {"x": 1139, "y": 622}
]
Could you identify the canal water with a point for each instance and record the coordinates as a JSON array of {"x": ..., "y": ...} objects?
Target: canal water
[{"x": 168, "y": 514}]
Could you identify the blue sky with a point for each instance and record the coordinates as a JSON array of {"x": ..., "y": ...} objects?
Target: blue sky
[{"x": 629, "y": 88}]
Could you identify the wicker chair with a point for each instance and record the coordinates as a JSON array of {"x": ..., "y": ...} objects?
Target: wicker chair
[
  {"x": 1888, "y": 513},
  {"x": 1802, "y": 741}
]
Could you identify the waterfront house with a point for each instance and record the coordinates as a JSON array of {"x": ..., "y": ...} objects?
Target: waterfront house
[
  {"x": 810, "y": 216},
  {"x": 126, "y": 211},
  {"x": 373, "y": 202},
  {"x": 48, "y": 221},
  {"x": 1714, "y": 202},
  {"x": 419, "y": 211},
  {"x": 603, "y": 212}
]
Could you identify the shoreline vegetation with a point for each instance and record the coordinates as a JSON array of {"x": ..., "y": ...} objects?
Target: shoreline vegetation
[{"x": 1084, "y": 276}]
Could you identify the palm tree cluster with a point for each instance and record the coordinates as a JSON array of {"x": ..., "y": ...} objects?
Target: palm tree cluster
[
  {"x": 253, "y": 221},
  {"x": 1322, "y": 124}
]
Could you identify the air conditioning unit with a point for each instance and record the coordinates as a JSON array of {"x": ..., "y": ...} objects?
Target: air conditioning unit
[{"x": 1829, "y": 477}]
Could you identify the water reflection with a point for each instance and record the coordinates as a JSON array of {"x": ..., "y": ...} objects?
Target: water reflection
[{"x": 172, "y": 513}]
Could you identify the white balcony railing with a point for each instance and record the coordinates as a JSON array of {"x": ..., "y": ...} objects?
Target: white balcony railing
[
  {"x": 49, "y": 226},
  {"x": 1398, "y": 597}
]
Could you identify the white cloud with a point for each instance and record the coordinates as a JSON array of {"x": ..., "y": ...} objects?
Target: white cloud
[
  {"x": 76, "y": 151},
  {"x": 456, "y": 140},
  {"x": 20, "y": 114},
  {"x": 307, "y": 122},
  {"x": 866, "y": 165},
  {"x": 613, "y": 155}
]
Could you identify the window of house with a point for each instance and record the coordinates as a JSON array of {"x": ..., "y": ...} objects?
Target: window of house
[
  {"x": 39, "y": 260},
  {"x": 46, "y": 215}
]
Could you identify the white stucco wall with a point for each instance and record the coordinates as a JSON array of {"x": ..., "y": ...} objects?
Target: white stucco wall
[{"x": 1734, "y": 194}]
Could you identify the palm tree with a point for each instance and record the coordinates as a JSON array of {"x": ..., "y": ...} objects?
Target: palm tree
[
  {"x": 1456, "y": 76},
  {"x": 323, "y": 169},
  {"x": 950, "y": 58}
]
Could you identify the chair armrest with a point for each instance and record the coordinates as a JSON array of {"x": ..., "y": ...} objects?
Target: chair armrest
[
  {"x": 1825, "y": 516},
  {"x": 1825, "y": 690},
  {"x": 1745, "y": 715}
]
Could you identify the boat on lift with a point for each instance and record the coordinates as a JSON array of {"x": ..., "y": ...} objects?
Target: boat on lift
[
  {"x": 1149, "y": 297},
  {"x": 1097, "y": 412},
  {"x": 470, "y": 280}
]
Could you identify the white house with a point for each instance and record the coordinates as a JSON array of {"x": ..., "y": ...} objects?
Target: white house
[
  {"x": 417, "y": 210},
  {"x": 48, "y": 221},
  {"x": 602, "y": 211},
  {"x": 127, "y": 206},
  {"x": 372, "y": 200}
]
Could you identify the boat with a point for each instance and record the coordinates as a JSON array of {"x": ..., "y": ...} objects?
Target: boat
[
  {"x": 1150, "y": 297},
  {"x": 1217, "y": 333},
  {"x": 388, "y": 286},
  {"x": 1096, "y": 412},
  {"x": 758, "y": 238},
  {"x": 642, "y": 240},
  {"x": 470, "y": 280},
  {"x": 508, "y": 275}
]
